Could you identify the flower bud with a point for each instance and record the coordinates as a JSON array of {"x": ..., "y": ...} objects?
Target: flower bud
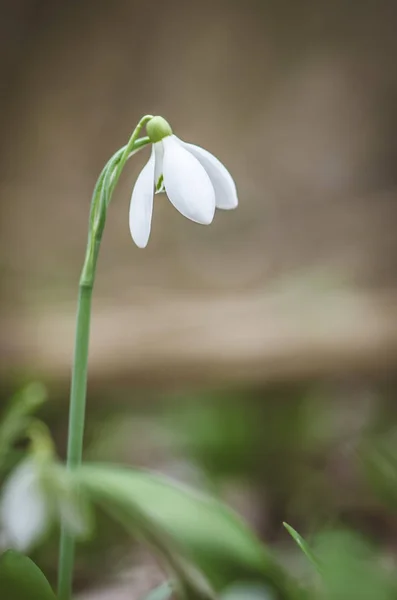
[{"x": 157, "y": 129}]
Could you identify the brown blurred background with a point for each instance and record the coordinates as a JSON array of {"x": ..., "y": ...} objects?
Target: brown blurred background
[
  {"x": 291, "y": 297},
  {"x": 297, "y": 99}
]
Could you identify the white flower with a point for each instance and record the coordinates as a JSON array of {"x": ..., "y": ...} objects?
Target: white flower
[
  {"x": 24, "y": 507},
  {"x": 35, "y": 494},
  {"x": 194, "y": 180}
]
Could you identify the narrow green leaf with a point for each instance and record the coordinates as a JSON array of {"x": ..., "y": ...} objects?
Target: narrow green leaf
[
  {"x": 18, "y": 416},
  {"x": 21, "y": 579},
  {"x": 302, "y": 545},
  {"x": 379, "y": 459},
  {"x": 200, "y": 529}
]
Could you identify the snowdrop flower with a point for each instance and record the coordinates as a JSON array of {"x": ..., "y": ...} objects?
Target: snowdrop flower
[
  {"x": 36, "y": 494},
  {"x": 194, "y": 180},
  {"x": 24, "y": 507}
]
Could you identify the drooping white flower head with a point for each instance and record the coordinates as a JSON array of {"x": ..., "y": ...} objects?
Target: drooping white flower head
[
  {"x": 24, "y": 507},
  {"x": 194, "y": 180},
  {"x": 35, "y": 494}
]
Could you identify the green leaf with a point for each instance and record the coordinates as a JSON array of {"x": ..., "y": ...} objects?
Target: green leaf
[
  {"x": 18, "y": 416},
  {"x": 351, "y": 568},
  {"x": 302, "y": 545},
  {"x": 379, "y": 458},
  {"x": 199, "y": 528},
  {"x": 21, "y": 579}
]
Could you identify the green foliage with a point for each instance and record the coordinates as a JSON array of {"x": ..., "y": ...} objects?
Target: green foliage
[
  {"x": 348, "y": 566},
  {"x": 21, "y": 579},
  {"x": 351, "y": 568},
  {"x": 182, "y": 523},
  {"x": 302, "y": 544},
  {"x": 208, "y": 551},
  {"x": 223, "y": 441},
  {"x": 379, "y": 457},
  {"x": 18, "y": 417}
]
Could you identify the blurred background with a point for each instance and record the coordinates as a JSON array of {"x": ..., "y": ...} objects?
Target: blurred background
[{"x": 256, "y": 357}]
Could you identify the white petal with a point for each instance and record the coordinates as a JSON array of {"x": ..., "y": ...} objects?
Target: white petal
[
  {"x": 158, "y": 167},
  {"x": 24, "y": 510},
  {"x": 186, "y": 183},
  {"x": 141, "y": 207},
  {"x": 224, "y": 186}
]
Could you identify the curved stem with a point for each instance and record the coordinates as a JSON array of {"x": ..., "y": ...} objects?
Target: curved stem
[{"x": 100, "y": 200}]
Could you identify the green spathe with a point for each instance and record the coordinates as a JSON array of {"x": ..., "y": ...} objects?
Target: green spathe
[{"x": 157, "y": 129}]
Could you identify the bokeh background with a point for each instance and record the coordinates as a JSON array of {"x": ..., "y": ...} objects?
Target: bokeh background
[{"x": 255, "y": 357}]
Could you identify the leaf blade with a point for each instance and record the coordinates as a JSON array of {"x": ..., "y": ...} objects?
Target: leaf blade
[
  {"x": 302, "y": 544},
  {"x": 202, "y": 529},
  {"x": 21, "y": 578}
]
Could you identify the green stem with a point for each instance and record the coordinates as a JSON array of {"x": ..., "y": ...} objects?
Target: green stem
[
  {"x": 100, "y": 201},
  {"x": 76, "y": 428}
]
